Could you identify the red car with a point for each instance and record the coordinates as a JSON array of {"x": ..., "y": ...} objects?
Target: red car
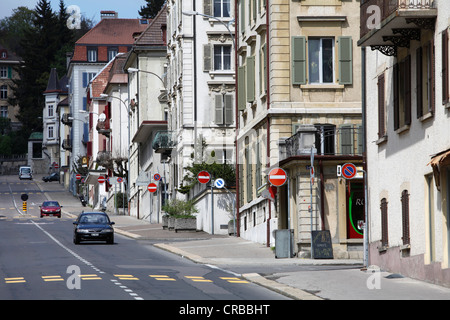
[{"x": 50, "y": 208}]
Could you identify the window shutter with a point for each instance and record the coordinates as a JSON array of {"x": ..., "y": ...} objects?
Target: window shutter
[
  {"x": 298, "y": 60},
  {"x": 228, "y": 109},
  {"x": 396, "y": 104},
  {"x": 432, "y": 80},
  {"x": 346, "y": 139},
  {"x": 9, "y": 73},
  {"x": 250, "y": 79},
  {"x": 85, "y": 79},
  {"x": 207, "y": 57},
  {"x": 84, "y": 103},
  {"x": 384, "y": 223},
  {"x": 381, "y": 107},
  {"x": 241, "y": 88},
  {"x": 419, "y": 82},
  {"x": 264, "y": 64},
  {"x": 445, "y": 78},
  {"x": 345, "y": 60},
  {"x": 207, "y": 7},
  {"x": 218, "y": 108},
  {"x": 408, "y": 90},
  {"x": 242, "y": 17},
  {"x": 405, "y": 217}
]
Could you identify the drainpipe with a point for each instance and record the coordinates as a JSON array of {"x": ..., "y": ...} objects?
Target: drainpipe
[
  {"x": 236, "y": 37},
  {"x": 268, "y": 119},
  {"x": 322, "y": 200}
]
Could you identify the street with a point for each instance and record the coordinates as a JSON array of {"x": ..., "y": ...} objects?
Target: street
[{"x": 39, "y": 261}]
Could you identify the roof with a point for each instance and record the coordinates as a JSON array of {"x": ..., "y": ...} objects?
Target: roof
[
  {"x": 55, "y": 84},
  {"x": 155, "y": 32},
  {"x": 113, "y": 32}
]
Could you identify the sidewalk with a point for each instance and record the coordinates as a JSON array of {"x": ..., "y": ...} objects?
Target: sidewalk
[{"x": 303, "y": 279}]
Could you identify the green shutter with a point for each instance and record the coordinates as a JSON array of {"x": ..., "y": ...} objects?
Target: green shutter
[
  {"x": 346, "y": 139},
  {"x": 228, "y": 100},
  {"x": 299, "y": 60},
  {"x": 9, "y": 73},
  {"x": 250, "y": 79},
  {"x": 218, "y": 109},
  {"x": 345, "y": 60},
  {"x": 241, "y": 88},
  {"x": 207, "y": 57},
  {"x": 207, "y": 8},
  {"x": 242, "y": 17}
]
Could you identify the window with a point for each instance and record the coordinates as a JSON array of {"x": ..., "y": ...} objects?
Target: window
[
  {"x": 4, "y": 111},
  {"x": 325, "y": 139},
  {"x": 223, "y": 111},
  {"x": 405, "y": 217},
  {"x": 402, "y": 93},
  {"x": 384, "y": 223},
  {"x": 92, "y": 54},
  {"x": 50, "y": 132},
  {"x": 320, "y": 60},
  {"x": 381, "y": 107},
  {"x": 50, "y": 110},
  {"x": 4, "y": 92},
  {"x": 112, "y": 52},
  {"x": 222, "y": 8},
  {"x": 222, "y": 57},
  {"x": 425, "y": 79},
  {"x": 3, "y": 72}
]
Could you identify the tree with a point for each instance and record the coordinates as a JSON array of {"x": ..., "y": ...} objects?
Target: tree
[
  {"x": 151, "y": 9},
  {"x": 12, "y": 28}
]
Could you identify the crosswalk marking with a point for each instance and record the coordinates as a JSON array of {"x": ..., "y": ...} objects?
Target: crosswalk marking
[{"x": 161, "y": 277}]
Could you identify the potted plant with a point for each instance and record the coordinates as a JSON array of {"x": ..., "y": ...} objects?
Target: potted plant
[{"x": 181, "y": 215}]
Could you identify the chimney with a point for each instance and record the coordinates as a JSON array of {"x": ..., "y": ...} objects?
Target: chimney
[{"x": 108, "y": 15}]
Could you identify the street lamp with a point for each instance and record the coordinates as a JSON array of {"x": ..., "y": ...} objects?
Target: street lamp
[{"x": 135, "y": 70}]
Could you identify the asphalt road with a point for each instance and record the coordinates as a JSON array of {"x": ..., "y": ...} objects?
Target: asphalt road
[{"x": 39, "y": 261}]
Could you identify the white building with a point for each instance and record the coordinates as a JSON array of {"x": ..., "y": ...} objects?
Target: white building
[
  {"x": 201, "y": 81},
  {"x": 408, "y": 138}
]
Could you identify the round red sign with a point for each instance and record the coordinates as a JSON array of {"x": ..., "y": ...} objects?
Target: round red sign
[
  {"x": 277, "y": 177},
  {"x": 78, "y": 176},
  {"x": 203, "y": 177},
  {"x": 152, "y": 187},
  {"x": 101, "y": 179}
]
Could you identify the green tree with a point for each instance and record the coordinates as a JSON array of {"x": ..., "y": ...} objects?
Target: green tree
[{"x": 152, "y": 8}]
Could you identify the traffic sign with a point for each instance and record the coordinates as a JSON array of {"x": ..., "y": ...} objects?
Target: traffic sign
[
  {"x": 78, "y": 176},
  {"x": 277, "y": 177},
  {"x": 152, "y": 187},
  {"x": 119, "y": 179},
  {"x": 101, "y": 179},
  {"x": 157, "y": 177},
  {"x": 349, "y": 171},
  {"x": 219, "y": 183},
  {"x": 203, "y": 177}
]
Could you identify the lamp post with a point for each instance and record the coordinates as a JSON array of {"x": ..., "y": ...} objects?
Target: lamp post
[{"x": 104, "y": 95}]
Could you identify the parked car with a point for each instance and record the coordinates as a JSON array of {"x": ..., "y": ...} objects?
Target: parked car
[
  {"x": 93, "y": 226},
  {"x": 53, "y": 177},
  {"x": 50, "y": 208},
  {"x": 25, "y": 172}
]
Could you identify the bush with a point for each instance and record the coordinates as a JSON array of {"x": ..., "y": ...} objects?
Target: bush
[{"x": 180, "y": 208}]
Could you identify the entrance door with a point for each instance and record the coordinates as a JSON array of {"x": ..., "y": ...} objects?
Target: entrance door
[{"x": 355, "y": 209}]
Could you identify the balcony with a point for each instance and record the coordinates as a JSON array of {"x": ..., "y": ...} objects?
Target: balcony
[
  {"x": 103, "y": 127},
  {"x": 163, "y": 142},
  {"x": 67, "y": 144},
  {"x": 326, "y": 140},
  {"x": 67, "y": 119},
  {"x": 389, "y": 24}
]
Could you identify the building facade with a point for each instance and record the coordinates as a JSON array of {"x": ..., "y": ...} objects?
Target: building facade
[
  {"x": 8, "y": 61},
  {"x": 299, "y": 94},
  {"x": 406, "y": 72}
]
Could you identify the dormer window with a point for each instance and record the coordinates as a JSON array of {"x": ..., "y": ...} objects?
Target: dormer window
[
  {"x": 92, "y": 54},
  {"x": 4, "y": 55}
]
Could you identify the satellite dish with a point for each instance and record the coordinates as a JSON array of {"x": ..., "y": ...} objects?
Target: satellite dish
[{"x": 102, "y": 117}]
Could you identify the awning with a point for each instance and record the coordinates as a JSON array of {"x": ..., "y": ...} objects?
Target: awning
[
  {"x": 439, "y": 160},
  {"x": 92, "y": 176}
]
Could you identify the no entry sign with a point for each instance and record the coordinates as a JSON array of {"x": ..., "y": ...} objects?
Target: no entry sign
[
  {"x": 78, "y": 176},
  {"x": 349, "y": 171},
  {"x": 152, "y": 187},
  {"x": 101, "y": 179},
  {"x": 203, "y": 177},
  {"x": 277, "y": 177}
]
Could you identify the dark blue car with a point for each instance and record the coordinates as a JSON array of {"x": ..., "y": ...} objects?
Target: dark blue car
[{"x": 93, "y": 226}]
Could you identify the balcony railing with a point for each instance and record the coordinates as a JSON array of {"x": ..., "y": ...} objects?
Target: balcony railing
[
  {"x": 67, "y": 144},
  {"x": 103, "y": 127},
  {"x": 163, "y": 142},
  {"x": 345, "y": 140},
  {"x": 67, "y": 119},
  {"x": 375, "y": 13}
]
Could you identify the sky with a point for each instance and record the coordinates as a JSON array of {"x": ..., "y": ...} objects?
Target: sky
[{"x": 89, "y": 8}]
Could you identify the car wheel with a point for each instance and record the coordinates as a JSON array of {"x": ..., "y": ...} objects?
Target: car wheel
[
  {"x": 76, "y": 240},
  {"x": 110, "y": 240}
]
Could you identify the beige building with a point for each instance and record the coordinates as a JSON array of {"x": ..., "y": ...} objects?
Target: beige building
[
  {"x": 8, "y": 61},
  {"x": 299, "y": 89}
]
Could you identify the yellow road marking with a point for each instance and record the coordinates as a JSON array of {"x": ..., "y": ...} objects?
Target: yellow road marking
[
  {"x": 126, "y": 277},
  {"x": 89, "y": 277},
  {"x": 233, "y": 280},
  {"x": 15, "y": 280},
  {"x": 161, "y": 277},
  {"x": 52, "y": 278},
  {"x": 198, "y": 279}
]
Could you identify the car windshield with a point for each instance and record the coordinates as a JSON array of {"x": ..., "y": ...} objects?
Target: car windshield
[
  {"x": 93, "y": 219},
  {"x": 51, "y": 204},
  {"x": 26, "y": 170}
]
